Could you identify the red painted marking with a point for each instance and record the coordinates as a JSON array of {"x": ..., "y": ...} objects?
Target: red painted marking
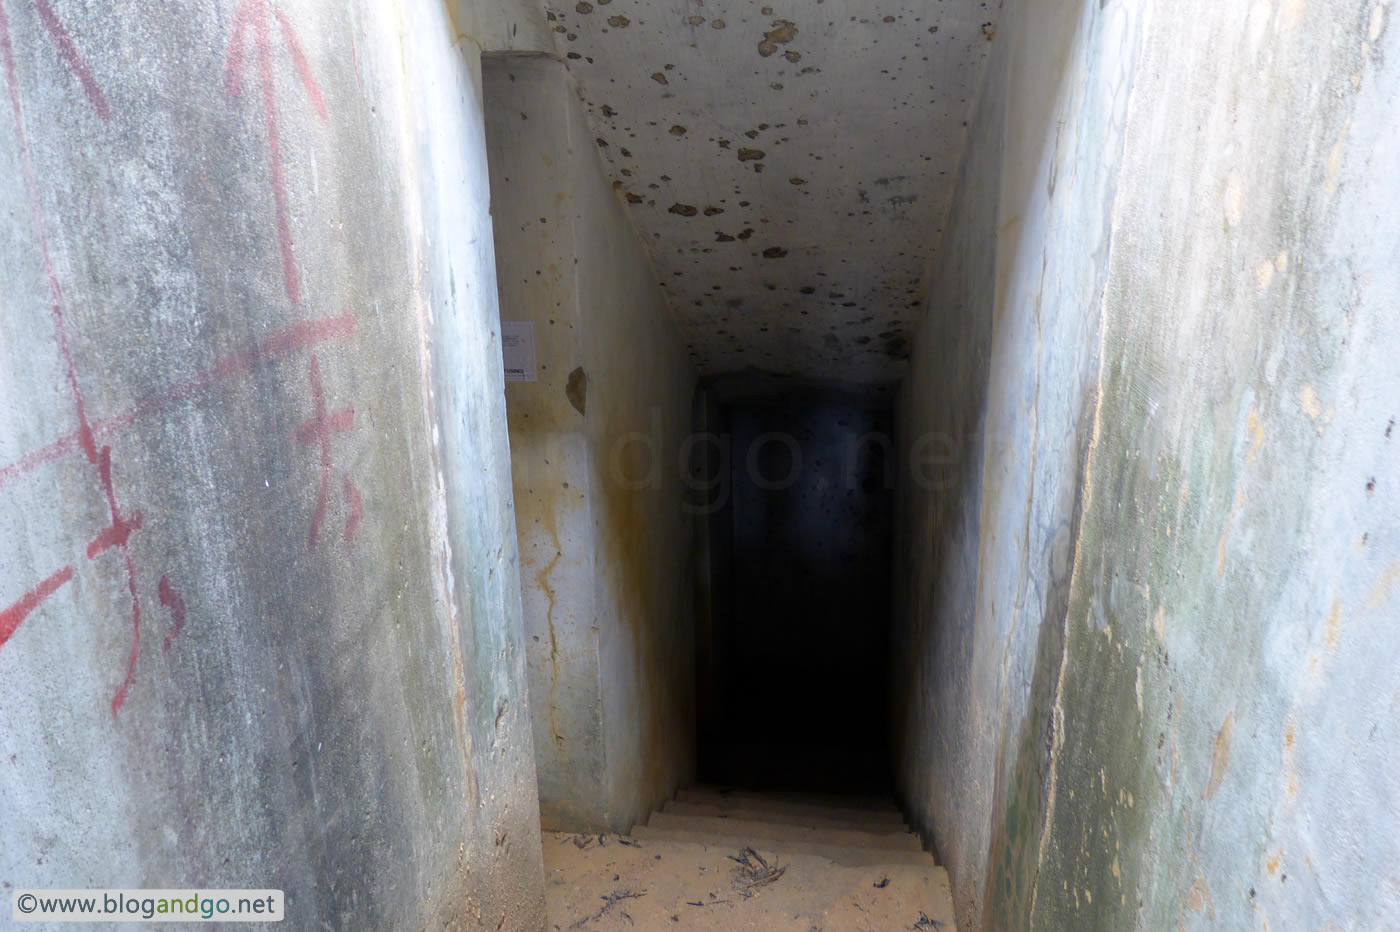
[
  {"x": 278, "y": 346},
  {"x": 122, "y": 528},
  {"x": 12, "y": 617},
  {"x": 55, "y": 293},
  {"x": 74, "y": 58},
  {"x": 233, "y": 70},
  {"x": 308, "y": 80},
  {"x": 318, "y": 430},
  {"x": 85, "y": 435},
  {"x": 254, "y": 12},
  {"x": 114, "y": 536},
  {"x": 352, "y": 495},
  {"x": 171, "y": 600},
  {"x": 120, "y": 698}
]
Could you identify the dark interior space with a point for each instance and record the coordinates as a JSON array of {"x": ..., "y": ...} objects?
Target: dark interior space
[{"x": 793, "y": 651}]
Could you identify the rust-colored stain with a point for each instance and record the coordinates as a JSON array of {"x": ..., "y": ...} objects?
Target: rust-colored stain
[
  {"x": 782, "y": 32},
  {"x": 1334, "y": 624},
  {"x": 619, "y": 22},
  {"x": 542, "y": 580},
  {"x": 659, "y": 78},
  {"x": 577, "y": 390},
  {"x": 1256, "y": 435},
  {"x": 684, "y": 210},
  {"x": 697, "y": 20},
  {"x": 712, "y": 211},
  {"x": 1380, "y": 593},
  {"x": 750, "y": 155},
  {"x": 584, "y": 7},
  {"x": 634, "y": 198},
  {"x": 796, "y": 180},
  {"x": 545, "y": 513},
  {"x": 677, "y": 130},
  {"x": 1198, "y": 898},
  {"x": 793, "y": 57},
  {"x": 1220, "y": 756}
]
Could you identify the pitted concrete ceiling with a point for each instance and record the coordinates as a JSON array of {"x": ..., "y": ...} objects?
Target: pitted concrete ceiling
[{"x": 789, "y": 165}]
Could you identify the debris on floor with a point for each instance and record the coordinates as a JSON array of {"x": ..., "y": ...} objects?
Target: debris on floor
[{"x": 752, "y": 865}]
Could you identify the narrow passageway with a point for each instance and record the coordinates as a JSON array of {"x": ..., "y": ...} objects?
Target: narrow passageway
[
  {"x": 794, "y": 644},
  {"x": 992, "y": 404}
]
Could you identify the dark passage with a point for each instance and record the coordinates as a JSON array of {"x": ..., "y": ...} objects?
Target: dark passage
[{"x": 794, "y": 627}]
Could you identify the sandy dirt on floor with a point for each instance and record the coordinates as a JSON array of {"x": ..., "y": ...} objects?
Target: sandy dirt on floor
[{"x": 602, "y": 883}]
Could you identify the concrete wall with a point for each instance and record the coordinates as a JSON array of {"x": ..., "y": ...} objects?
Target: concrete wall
[
  {"x": 599, "y": 452},
  {"x": 259, "y": 612},
  {"x": 1150, "y": 550}
]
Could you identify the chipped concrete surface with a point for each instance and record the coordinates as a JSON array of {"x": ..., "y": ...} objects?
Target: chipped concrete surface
[{"x": 818, "y": 148}]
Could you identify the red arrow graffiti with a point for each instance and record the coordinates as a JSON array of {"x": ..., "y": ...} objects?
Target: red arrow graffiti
[{"x": 254, "y": 14}]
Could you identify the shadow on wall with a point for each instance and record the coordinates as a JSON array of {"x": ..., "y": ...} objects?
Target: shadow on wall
[{"x": 1003, "y": 367}]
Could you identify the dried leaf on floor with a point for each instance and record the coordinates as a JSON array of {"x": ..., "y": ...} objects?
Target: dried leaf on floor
[{"x": 753, "y": 870}]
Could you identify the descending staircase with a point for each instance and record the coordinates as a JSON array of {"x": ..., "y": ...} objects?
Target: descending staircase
[{"x": 732, "y": 859}]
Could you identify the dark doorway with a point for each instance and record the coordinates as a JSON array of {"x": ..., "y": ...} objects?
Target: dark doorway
[{"x": 795, "y": 623}]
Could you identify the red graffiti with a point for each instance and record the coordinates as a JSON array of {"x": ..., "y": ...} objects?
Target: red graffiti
[
  {"x": 318, "y": 430},
  {"x": 12, "y": 617},
  {"x": 171, "y": 600},
  {"x": 254, "y": 13},
  {"x": 117, "y": 533},
  {"x": 120, "y": 528},
  {"x": 278, "y": 346},
  {"x": 74, "y": 58}
]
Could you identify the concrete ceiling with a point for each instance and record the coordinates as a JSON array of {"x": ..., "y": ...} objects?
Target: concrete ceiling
[{"x": 788, "y": 164}]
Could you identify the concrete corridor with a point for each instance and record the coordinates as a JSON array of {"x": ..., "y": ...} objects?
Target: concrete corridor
[{"x": 909, "y": 464}]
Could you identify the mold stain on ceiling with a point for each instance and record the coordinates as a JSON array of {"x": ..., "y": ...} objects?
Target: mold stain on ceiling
[{"x": 788, "y": 164}]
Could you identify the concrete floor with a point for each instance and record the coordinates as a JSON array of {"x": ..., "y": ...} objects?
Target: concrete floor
[{"x": 749, "y": 862}]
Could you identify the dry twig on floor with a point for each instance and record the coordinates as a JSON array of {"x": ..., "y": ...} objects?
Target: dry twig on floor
[{"x": 609, "y": 901}]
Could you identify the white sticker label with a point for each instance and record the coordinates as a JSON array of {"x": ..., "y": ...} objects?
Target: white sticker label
[{"x": 518, "y": 348}]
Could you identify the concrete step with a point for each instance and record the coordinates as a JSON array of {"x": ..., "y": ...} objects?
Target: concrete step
[
  {"x": 865, "y": 810},
  {"x": 845, "y": 855},
  {"x": 753, "y": 830},
  {"x": 696, "y": 885},
  {"x": 820, "y": 818}
]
